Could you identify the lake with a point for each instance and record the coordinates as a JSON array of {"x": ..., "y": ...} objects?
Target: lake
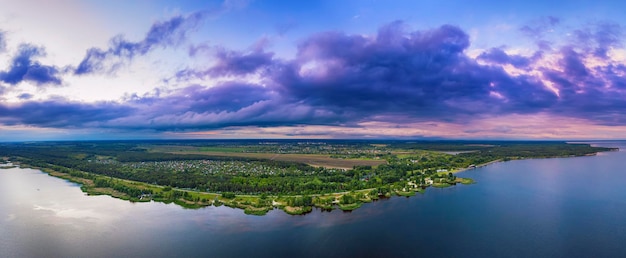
[{"x": 574, "y": 207}]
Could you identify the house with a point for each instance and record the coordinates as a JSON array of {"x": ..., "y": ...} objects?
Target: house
[{"x": 428, "y": 181}]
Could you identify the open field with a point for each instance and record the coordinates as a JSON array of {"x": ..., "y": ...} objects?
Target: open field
[{"x": 316, "y": 160}]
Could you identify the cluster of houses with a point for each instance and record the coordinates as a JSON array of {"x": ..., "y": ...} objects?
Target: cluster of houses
[
  {"x": 414, "y": 185},
  {"x": 313, "y": 148},
  {"x": 210, "y": 167}
]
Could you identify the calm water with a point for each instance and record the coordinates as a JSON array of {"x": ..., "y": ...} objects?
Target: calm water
[{"x": 573, "y": 207}]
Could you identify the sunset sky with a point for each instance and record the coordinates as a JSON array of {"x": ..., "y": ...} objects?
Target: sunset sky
[{"x": 472, "y": 69}]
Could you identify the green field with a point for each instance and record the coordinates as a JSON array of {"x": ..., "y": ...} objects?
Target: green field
[{"x": 316, "y": 160}]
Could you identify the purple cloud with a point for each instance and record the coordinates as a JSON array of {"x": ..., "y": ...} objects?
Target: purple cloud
[
  {"x": 200, "y": 48},
  {"x": 498, "y": 56},
  {"x": 572, "y": 63},
  {"x": 419, "y": 74},
  {"x": 236, "y": 64},
  {"x": 229, "y": 104},
  {"x": 24, "y": 68},
  {"x": 222, "y": 98},
  {"x": 229, "y": 63},
  {"x": 614, "y": 74},
  {"x": 342, "y": 79},
  {"x": 598, "y": 38},
  {"x": 190, "y": 108},
  {"x": 593, "y": 93},
  {"x": 61, "y": 113},
  {"x": 539, "y": 27},
  {"x": 162, "y": 34}
]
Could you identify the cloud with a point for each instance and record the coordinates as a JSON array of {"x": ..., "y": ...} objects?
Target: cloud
[
  {"x": 590, "y": 91},
  {"x": 3, "y": 42},
  {"x": 24, "y": 68},
  {"x": 60, "y": 113},
  {"x": 229, "y": 104},
  {"x": 193, "y": 107},
  {"x": 396, "y": 76},
  {"x": 598, "y": 38},
  {"x": 572, "y": 63},
  {"x": 25, "y": 96},
  {"x": 498, "y": 56},
  {"x": 200, "y": 48},
  {"x": 227, "y": 97},
  {"x": 231, "y": 63},
  {"x": 162, "y": 34},
  {"x": 418, "y": 74},
  {"x": 539, "y": 27},
  {"x": 237, "y": 64},
  {"x": 338, "y": 78}
]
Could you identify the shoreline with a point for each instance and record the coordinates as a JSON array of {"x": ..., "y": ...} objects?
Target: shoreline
[
  {"x": 554, "y": 157},
  {"x": 250, "y": 204},
  {"x": 476, "y": 166},
  {"x": 136, "y": 191}
]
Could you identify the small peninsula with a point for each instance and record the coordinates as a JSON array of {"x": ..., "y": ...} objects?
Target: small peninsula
[{"x": 260, "y": 175}]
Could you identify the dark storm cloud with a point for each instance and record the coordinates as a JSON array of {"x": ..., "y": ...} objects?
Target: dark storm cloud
[
  {"x": 222, "y": 98},
  {"x": 188, "y": 107},
  {"x": 572, "y": 64},
  {"x": 61, "y": 113},
  {"x": 230, "y": 63},
  {"x": 393, "y": 71},
  {"x": 498, "y": 56},
  {"x": 23, "y": 67},
  {"x": 229, "y": 104},
  {"x": 162, "y": 34},
  {"x": 420, "y": 74}
]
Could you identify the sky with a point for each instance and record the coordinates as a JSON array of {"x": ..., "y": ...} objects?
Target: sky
[{"x": 362, "y": 69}]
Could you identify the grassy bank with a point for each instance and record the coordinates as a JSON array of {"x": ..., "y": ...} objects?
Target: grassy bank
[{"x": 250, "y": 204}]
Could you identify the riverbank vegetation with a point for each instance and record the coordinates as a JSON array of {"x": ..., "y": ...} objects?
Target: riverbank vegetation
[{"x": 249, "y": 175}]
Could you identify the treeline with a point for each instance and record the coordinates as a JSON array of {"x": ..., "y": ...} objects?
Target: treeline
[{"x": 533, "y": 150}]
